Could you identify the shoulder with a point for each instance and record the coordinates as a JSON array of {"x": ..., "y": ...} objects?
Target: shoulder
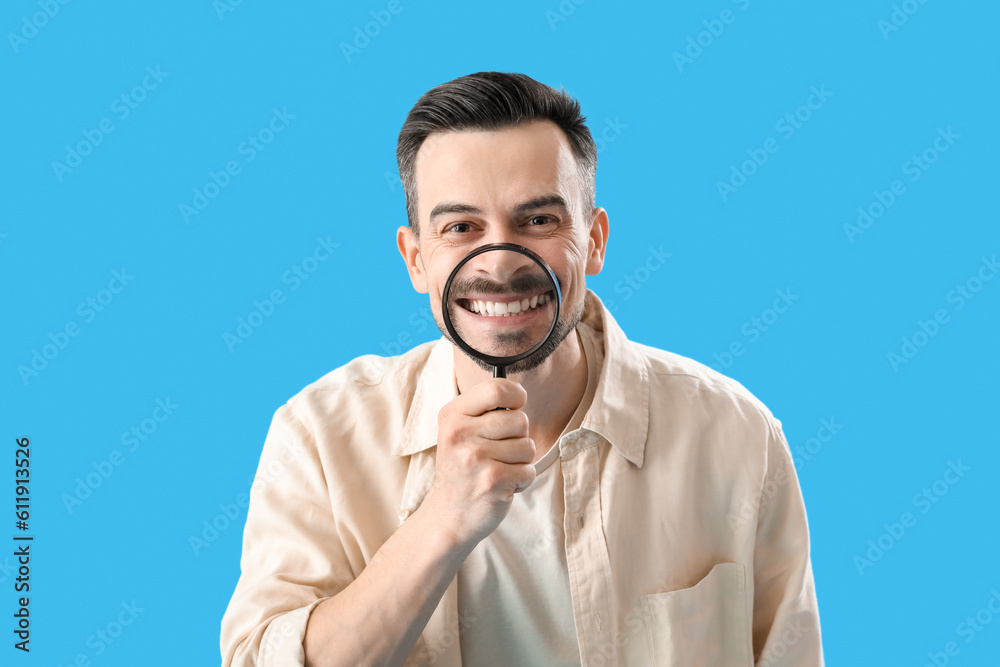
[
  {"x": 369, "y": 383},
  {"x": 681, "y": 379}
]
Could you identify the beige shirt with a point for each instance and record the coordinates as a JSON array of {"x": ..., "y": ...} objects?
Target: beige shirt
[
  {"x": 684, "y": 533},
  {"x": 516, "y": 581}
]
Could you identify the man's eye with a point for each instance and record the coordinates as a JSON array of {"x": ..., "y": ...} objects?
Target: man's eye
[
  {"x": 460, "y": 227},
  {"x": 540, "y": 220}
]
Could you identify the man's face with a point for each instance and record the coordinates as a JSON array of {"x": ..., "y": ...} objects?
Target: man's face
[{"x": 517, "y": 185}]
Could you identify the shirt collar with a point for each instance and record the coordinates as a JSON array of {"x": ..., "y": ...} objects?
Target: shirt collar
[{"x": 619, "y": 412}]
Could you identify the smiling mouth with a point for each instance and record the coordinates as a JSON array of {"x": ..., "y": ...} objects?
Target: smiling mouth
[{"x": 507, "y": 308}]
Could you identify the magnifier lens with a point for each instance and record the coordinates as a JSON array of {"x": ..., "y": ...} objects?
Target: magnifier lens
[{"x": 502, "y": 303}]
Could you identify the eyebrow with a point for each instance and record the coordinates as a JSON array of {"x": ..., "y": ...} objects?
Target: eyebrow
[{"x": 542, "y": 201}]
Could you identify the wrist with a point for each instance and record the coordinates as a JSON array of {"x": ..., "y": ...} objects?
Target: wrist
[{"x": 443, "y": 534}]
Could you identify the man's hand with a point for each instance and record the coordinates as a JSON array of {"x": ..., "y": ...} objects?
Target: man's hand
[{"x": 484, "y": 457}]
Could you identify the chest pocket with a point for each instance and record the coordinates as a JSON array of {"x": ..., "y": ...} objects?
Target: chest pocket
[{"x": 705, "y": 625}]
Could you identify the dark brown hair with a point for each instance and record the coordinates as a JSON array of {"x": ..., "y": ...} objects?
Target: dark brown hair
[{"x": 492, "y": 101}]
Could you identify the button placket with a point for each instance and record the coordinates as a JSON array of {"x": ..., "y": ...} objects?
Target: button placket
[{"x": 586, "y": 554}]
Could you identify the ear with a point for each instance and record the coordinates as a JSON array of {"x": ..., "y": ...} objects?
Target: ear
[
  {"x": 409, "y": 248},
  {"x": 597, "y": 242}
]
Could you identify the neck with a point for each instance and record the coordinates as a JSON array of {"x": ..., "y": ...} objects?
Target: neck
[{"x": 555, "y": 389}]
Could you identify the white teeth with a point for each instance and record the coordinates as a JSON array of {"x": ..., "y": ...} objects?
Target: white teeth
[{"x": 500, "y": 309}]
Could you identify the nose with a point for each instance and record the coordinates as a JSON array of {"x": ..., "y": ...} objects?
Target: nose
[{"x": 502, "y": 265}]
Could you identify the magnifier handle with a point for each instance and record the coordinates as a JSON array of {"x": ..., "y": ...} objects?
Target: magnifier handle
[{"x": 499, "y": 372}]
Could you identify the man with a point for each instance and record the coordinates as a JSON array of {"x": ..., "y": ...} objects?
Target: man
[{"x": 628, "y": 507}]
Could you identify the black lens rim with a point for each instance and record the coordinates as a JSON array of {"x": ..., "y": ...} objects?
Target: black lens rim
[{"x": 468, "y": 349}]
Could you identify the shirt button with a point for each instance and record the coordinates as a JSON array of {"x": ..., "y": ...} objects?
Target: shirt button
[
  {"x": 579, "y": 520},
  {"x": 403, "y": 515}
]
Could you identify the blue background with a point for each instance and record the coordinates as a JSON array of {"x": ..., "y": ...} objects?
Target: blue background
[{"x": 673, "y": 129}]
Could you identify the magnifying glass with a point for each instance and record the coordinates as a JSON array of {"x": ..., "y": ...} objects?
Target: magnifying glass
[{"x": 501, "y": 304}]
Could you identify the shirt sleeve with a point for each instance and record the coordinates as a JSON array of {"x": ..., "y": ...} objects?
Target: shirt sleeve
[
  {"x": 292, "y": 556},
  {"x": 786, "y": 627}
]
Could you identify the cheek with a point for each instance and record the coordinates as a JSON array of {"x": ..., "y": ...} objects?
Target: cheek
[
  {"x": 434, "y": 271},
  {"x": 572, "y": 270},
  {"x": 435, "y": 287},
  {"x": 569, "y": 286}
]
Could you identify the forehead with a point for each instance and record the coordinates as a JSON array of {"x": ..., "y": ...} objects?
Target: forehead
[{"x": 495, "y": 168}]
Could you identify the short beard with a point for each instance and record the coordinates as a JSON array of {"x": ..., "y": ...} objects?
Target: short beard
[{"x": 564, "y": 326}]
